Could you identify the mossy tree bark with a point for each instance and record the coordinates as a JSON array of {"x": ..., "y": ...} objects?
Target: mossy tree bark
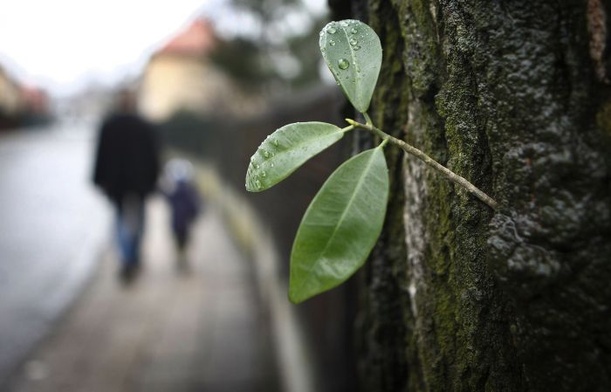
[{"x": 514, "y": 96}]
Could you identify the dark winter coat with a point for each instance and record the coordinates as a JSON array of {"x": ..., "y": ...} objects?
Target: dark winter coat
[
  {"x": 185, "y": 204},
  {"x": 127, "y": 157}
]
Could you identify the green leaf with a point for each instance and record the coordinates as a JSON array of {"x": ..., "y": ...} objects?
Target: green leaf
[
  {"x": 285, "y": 150},
  {"x": 353, "y": 53},
  {"x": 340, "y": 227}
]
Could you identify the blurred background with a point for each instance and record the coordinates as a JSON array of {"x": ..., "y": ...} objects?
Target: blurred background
[{"x": 215, "y": 78}]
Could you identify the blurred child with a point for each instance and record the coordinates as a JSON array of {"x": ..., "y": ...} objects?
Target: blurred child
[{"x": 179, "y": 188}]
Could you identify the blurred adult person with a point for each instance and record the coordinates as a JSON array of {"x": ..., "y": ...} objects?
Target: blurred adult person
[{"x": 126, "y": 170}]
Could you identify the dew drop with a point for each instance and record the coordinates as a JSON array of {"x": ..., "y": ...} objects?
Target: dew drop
[
  {"x": 353, "y": 41},
  {"x": 343, "y": 64},
  {"x": 354, "y": 31},
  {"x": 356, "y": 47},
  {"x": 263, "y": 174},
  {"x": 258, "y": 184},
  {"x": 331, "y": 43},
  {"x": 266, "y": 153},
  {"x": 331, "y": 30}
]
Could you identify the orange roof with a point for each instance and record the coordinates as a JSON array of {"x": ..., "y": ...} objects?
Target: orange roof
[{"x": 197, "y": 39}]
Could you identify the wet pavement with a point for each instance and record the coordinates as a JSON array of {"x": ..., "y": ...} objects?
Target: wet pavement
[
  {"x": 195, "y": 327},
  {"x": 192, "y": 327},
  {"x": 52, "y": 222}
]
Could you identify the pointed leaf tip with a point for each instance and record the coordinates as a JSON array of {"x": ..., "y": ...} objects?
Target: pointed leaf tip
[
  {"x": 340, "y": 227},
  {"x": 285, "y": 150},
  {"x": 353, "y": 53}
]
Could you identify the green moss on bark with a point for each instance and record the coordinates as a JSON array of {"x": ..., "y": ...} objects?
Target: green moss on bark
[{"x": 504, "y": 94}]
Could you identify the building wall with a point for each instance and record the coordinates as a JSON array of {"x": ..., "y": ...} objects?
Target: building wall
[
  {"x": 175, "y": 82},
  {"x": 11, "y": 102}
]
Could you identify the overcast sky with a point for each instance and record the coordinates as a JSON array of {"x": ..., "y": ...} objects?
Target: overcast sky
[{"x": 63, "y": 44}]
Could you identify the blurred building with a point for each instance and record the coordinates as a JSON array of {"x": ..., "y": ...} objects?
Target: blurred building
[
  {"x": 11, "y": 102},
  {"x": 182, "y": 77},
  {"x": 20, "y": 104},
  {"x": 36, "y": 105}
]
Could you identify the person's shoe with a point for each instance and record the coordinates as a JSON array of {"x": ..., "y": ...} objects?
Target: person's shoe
[{"x": 128, "y": 272}]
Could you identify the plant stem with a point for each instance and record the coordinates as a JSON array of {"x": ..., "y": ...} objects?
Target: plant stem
[{"x": 455, "y": 178}]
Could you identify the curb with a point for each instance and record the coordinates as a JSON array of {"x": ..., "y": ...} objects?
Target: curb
[{"x": 291, "y": 352}]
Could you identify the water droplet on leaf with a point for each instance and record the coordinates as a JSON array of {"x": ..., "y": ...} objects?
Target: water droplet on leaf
[
  {"x": 331, "y": 43},
  {"x": 353, "y": 41},
  {"x": 331, "y": 30},
  {"x": 343, "y": 64}
]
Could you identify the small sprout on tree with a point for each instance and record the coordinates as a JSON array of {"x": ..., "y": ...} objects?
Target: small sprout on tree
[
  {"x": 353, "y": 53},
  {"x": 345, "y": 219}
]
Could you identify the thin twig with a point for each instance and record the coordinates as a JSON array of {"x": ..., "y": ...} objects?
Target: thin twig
[{"x": 455, "y": 178}]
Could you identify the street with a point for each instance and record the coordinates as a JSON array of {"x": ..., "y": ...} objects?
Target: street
[
  {"x": 67, "y": 323},
  {"x": 51, "y": 218}
]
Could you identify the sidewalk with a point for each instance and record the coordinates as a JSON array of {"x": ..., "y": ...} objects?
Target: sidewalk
[{"x": 170, "y": 330}]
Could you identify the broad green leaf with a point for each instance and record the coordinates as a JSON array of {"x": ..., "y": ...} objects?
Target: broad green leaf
[
  {"x": 353, "y": 53},
  {"x": 285, "y": 150},
  {"x": 340, "y": 227}
]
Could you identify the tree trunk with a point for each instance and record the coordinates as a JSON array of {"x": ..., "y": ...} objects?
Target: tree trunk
[{"x": 514, "y": 96}]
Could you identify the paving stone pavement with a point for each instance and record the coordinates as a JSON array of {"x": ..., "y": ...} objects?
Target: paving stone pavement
[{"x": 198, "y": 328}]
